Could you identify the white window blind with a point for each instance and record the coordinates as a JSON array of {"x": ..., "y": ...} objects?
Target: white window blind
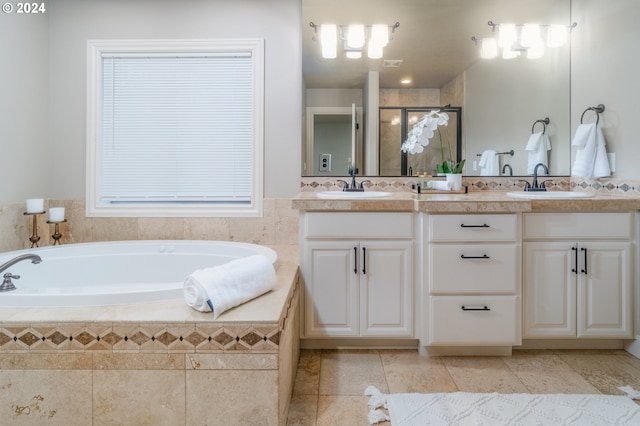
[{"x": 176, "y": 128}]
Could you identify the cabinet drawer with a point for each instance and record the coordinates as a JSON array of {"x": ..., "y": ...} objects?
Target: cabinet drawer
[
  {"x": 474, "y": 268},
  {"x": 358, "y": 225},
  {"x": 496, "y": 322},
  {"x": 577, "y": 225},
  {"x": 473, "y": 227}
]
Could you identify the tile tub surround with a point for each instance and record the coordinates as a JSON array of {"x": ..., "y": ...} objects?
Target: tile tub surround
[
  {"x": 155, "y": 363},
  {"x": 279, "y": 225}
]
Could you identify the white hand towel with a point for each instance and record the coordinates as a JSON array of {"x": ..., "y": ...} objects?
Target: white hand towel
[
  {"x": 223, "y": 287},
  {"x": 591, "y": 154},
  {"x": 537, "y": 148},
  {"x": 489, "y": 163},
  {"x": 439, "y": 185}
]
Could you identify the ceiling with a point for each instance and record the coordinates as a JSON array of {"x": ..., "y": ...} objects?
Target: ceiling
[{"x": 433, "y": 39}]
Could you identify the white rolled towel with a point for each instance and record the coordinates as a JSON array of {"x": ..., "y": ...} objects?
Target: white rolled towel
[{"x": 223, "y": 287}]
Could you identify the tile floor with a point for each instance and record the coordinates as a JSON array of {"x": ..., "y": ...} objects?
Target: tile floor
[{"x": 330, "y": 384}]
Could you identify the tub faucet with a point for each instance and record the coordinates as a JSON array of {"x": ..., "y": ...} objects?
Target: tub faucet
[{"x": 7, "y": 284}]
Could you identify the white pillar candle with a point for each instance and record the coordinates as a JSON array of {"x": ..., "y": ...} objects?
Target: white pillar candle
[
  {"x": 56, "y": 214},
  {"x": 35, "y": 205}
]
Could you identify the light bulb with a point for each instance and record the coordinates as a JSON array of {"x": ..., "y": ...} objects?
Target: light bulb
[
  {"x": 355, "y": 36},
  {"x": 380, "y": 35},
  {"x": 509, "y": 53},
  {"x": 530, "y": 35},
  {"x": 488, "y": 48},
  {"x": 507, "y": 35},
  {"x": 329, "y": 40},
  {"x": 556, "y": 35},
  {"x": 374, "y": 51},
  {"x": 536, "y": 51}
]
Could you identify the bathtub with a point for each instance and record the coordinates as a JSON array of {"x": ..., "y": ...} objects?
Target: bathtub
[{"x": 115, "y": 273}]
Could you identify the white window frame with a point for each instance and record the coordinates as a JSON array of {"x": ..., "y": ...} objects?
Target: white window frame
[{"x": 95, "y": 51}]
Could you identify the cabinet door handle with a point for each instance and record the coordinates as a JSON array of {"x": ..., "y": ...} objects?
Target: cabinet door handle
[
  {"x": 575, "y": 259},
  {"x": 484, "y": 225},
  {"x": 355, "y": 260},
  {"x": 584, "y": 271},
  {"x": 364, "y": 260},
  {"x": 484, "y": 308},
  {"x": 484, "y": 256}
]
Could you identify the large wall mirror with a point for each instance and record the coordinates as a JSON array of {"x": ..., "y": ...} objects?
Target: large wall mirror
[{"x": 501, "y": 100}]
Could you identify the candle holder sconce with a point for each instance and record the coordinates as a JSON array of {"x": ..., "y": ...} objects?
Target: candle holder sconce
[
  {"x": 34, "y": 238},
  {"x": 56, "y": 231}
]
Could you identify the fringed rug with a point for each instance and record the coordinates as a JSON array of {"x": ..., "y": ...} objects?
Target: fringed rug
[{"x": 494, "y": 409}]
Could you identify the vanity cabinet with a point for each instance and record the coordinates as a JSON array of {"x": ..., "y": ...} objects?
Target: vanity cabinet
[
  {"x": 578, "y": 275},
  {"x": 358, "y": 274},
  {"x": 472, "y": 280}
]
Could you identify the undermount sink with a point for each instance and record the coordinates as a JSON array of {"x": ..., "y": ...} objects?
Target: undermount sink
[
  {"x": 542, "y": 195},
  {"x": 353, "y": 194}
]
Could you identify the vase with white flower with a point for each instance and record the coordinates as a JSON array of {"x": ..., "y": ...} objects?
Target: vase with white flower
[{"x": 419, "y": 137}]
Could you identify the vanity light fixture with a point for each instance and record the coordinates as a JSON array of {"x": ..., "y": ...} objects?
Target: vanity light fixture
[
  {"x": 354, "y": 39},
  {"x": 515, "y": 39}
]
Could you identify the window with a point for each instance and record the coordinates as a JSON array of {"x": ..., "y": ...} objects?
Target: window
[{"x": 175, "y": 128}]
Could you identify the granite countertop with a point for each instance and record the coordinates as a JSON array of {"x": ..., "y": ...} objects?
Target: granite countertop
[{"x": 472, "y": 202}]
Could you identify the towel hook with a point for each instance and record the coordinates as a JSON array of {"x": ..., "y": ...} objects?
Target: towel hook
[
  {"x": 597, "y": 109},
  {"x": 544, "y": 122}
]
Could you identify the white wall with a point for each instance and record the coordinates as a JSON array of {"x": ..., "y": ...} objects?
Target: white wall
[
  {"x": 58, "y": 138},
  {"x": 23, "y": 106},
  {"x": 604, "y": 70}
]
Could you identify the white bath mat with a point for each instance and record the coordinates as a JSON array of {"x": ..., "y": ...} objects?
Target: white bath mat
[{"x": 494, "y": 409}]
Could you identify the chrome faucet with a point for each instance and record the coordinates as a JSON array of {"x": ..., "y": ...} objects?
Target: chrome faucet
[
  {"x": 534, "y": 185},
  {"x": 504, "y": 169},
  {"x": 7, "y": 284}
]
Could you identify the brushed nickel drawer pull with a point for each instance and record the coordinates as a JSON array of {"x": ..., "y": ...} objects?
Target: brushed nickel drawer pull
[
  {"x": 484, "y": 256},
  {"x": 484, "y": 308}
]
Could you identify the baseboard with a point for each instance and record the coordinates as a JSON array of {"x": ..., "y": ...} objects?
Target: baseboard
[
  {"x": 465, "y": 350},
  {"x": 571, "y": 344},
  {"x": 348, "y": 343},
  {"x": 633, "y": 347}
]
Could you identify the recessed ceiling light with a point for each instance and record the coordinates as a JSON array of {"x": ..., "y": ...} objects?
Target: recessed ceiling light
[{"x": 406, "y": 81}]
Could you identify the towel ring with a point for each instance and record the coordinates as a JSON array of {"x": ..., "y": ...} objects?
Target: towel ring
[
  {"x": 597, "y": 109},
  {"x": 544, "y": 122}
]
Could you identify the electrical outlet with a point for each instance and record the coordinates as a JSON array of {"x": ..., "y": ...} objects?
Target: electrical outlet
[{"x": 325, "y": 163}]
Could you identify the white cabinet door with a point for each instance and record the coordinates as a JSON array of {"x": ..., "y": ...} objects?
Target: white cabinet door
[
  {"x": 604, "y": 290},
  {"x": 331, "y": 288},
  {"x": 386, "y": 282},
  {"x": 549, "y": 290},
  {"x": 577, "y": 290}
]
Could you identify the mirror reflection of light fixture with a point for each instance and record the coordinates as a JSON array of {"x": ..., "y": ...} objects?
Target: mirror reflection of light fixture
[
  {"x": 515, "y": 39},
  {"x": 354, "y": 39}
]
